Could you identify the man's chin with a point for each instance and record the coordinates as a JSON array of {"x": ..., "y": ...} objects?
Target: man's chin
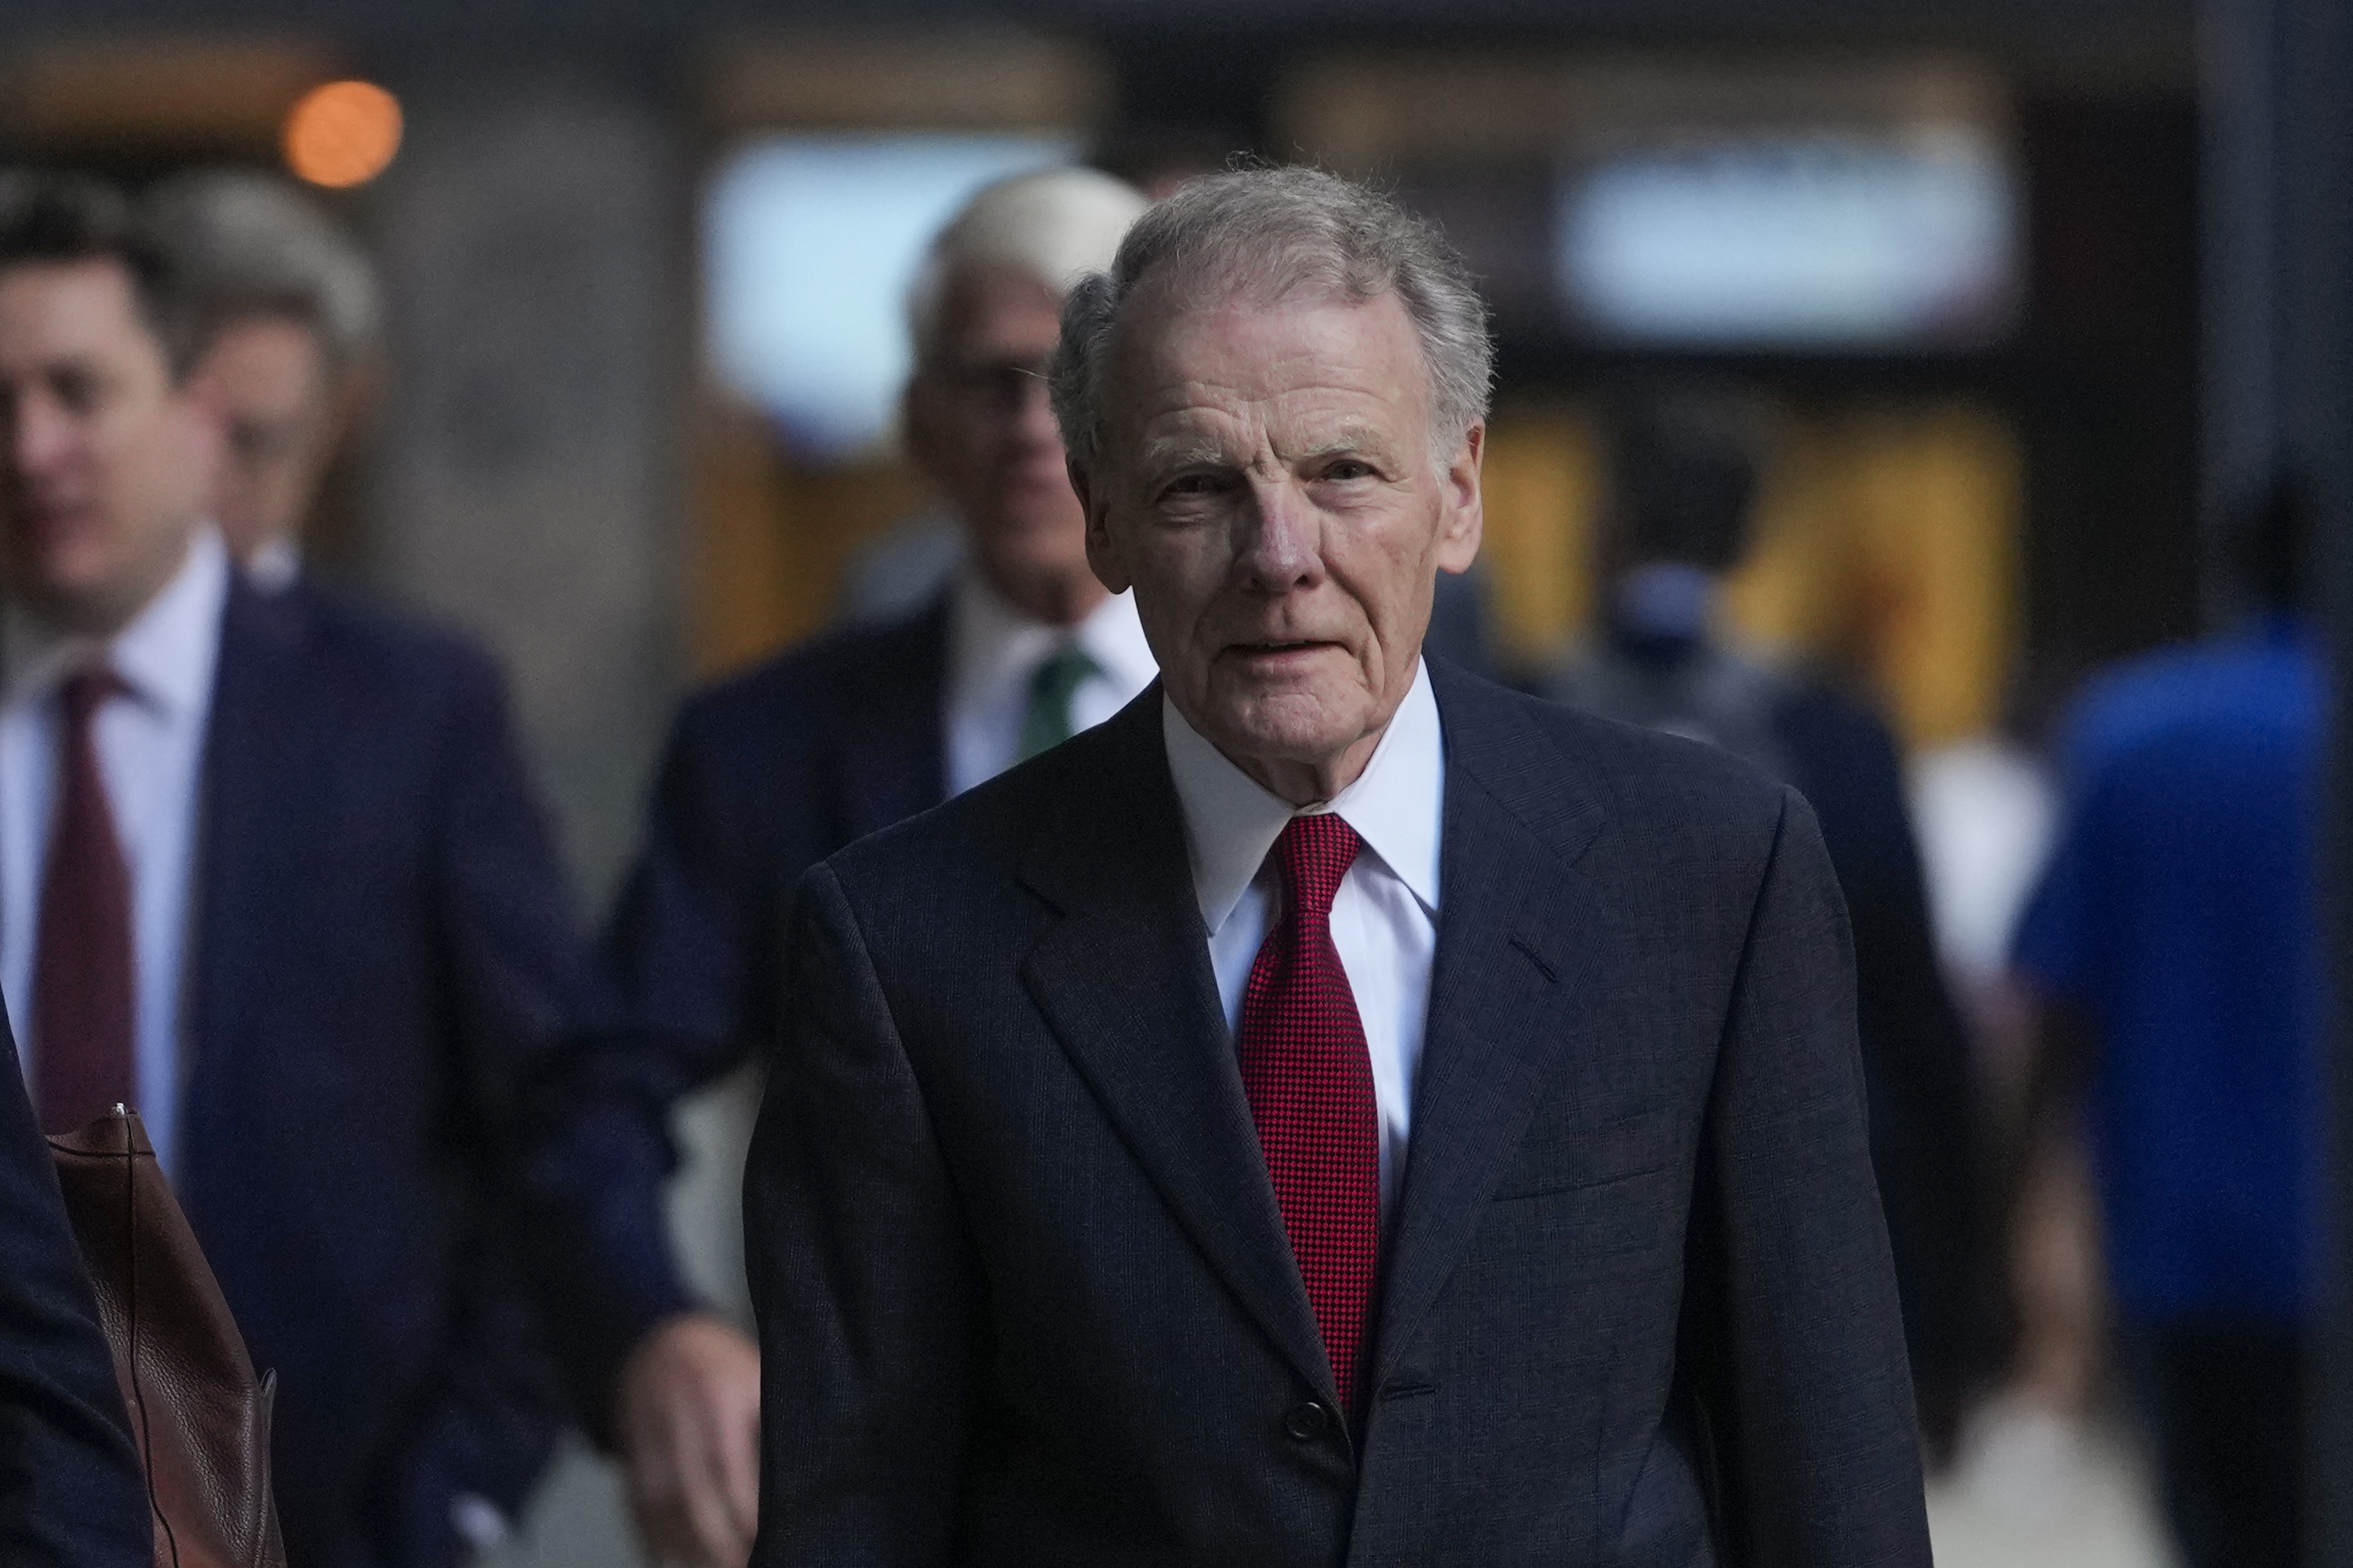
[{"x": 1303, "y": 727}]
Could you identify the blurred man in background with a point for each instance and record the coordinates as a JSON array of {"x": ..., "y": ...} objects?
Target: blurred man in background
[
  {"x": 292, "y": 320},
  {"x": 1676, "y": 523},
  {"x": 772, "y": 770},
  {"x": 2175, "y": 949},
  {"x": 269, "y": 872}
]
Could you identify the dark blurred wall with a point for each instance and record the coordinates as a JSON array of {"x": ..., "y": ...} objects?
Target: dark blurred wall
[
  {"x": 2104, "y": 378},
  {"x": 534, "y": 233}
]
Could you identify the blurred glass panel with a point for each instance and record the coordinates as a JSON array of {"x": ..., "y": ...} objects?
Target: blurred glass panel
[
  {"x": 811, "y": 243},
  {"x": 1830, "y": 240}
]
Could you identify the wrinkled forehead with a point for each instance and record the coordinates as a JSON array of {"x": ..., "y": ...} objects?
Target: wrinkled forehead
[{"x": 1253, "y": 321}]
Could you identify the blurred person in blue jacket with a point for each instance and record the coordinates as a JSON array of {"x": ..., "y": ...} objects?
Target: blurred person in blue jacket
[
  {"x": 1677, "y": 521},
  {"x": 2174, "y": 950},
  {"x": 271, "y": 873},
  {"x": 770, "y": 771}
]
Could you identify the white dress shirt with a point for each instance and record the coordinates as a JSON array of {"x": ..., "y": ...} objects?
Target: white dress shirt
[
  {"x": 994, "y": 651},
  {"x": 151, "y": 744},
  {"x": 1384, "y": 916}
]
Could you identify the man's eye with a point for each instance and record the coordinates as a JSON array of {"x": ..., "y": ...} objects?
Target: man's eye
[
  {"x": 1349, "y": 469},
  {"x": 1191, "y": 485},
  {"x": 77, "y": 390}
]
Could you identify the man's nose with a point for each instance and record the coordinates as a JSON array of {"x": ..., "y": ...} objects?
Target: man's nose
[{"x": 1284, "y": 546}]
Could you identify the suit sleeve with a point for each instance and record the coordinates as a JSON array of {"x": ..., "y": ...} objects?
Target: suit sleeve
[
  {"x": 861, "y": 1273},
  {"x": 694, "y": 936},
  {"x": 72, "y": 1495},
  {"x": 600, "y": 1152},
  {"x": 1806, "y": 1386}
]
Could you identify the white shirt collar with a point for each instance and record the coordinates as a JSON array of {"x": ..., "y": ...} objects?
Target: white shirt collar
[
  {"x": 275, "y": 563},
  {"x": 164, "y": 656},
  {"x": 993, "y": 647},
  {"x": 1232, "y": 821}
]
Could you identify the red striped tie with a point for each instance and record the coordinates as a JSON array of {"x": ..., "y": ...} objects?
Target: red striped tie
[
  {"x": 81, "y": 966},
  {"x": 1310, "y": 1083}
]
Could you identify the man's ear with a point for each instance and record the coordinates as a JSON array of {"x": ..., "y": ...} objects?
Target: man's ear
[
  {"x": 203, "y": 397},
  {"x": 1102, "y": 554},
  {"x": 1463, "y": 517}
]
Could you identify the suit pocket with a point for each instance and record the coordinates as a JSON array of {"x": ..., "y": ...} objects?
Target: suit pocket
[
  {"x": 1627, "y": 1220},
  {"x": 1588, "y": 1154}
]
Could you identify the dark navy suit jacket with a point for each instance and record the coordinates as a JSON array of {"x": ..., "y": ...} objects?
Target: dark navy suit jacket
[
  {"x": 1024, "y": 1291},
  {"x": 765, "y": 774},
  {"x": 384, "y": 949},
  {"x": 72, "y": 1495}
]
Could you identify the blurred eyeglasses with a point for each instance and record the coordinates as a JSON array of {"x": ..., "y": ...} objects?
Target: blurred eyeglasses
[{"x": 998, "y": 386}]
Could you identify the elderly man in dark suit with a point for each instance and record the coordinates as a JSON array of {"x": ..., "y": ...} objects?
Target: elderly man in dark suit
[
  {"x": 1338, "y": 1110},
  {"x": 271, "y": 873},
  {"x": 72, "y": 1495}
]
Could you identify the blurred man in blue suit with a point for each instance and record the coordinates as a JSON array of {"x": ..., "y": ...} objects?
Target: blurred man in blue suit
[
  {"x": 268, "y": 871},
  {"x": 70, "y": 1492},
  {"x": 771, "y": 770}
]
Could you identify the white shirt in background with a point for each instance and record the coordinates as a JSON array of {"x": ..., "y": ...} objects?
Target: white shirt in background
[
  {"x": 151, "y": 753},
  {"x": 994, "y": 652},
  {"x": 150, "y": 746},
  {"x": 275, "y": 565},
  {"x": 1384, "y": 916},
  {"x": 1986, "y": 815}
]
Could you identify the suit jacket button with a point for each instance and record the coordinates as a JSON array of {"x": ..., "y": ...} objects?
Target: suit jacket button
[{"x": 1306, "y": 1421}]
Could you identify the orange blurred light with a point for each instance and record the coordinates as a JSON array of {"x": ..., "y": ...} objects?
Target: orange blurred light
[{"x": 343, "y": 134}]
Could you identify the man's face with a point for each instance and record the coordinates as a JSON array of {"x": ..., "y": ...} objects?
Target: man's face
[
  {"x": 978, "y": 423},
  {"x": 1269, "y": 488},
  {"x": 105, "y": 463},
  {"x": 268, "y": 380}
]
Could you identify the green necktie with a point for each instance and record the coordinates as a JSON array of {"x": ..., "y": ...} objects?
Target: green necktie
[{"x": 1048, "y": 722}]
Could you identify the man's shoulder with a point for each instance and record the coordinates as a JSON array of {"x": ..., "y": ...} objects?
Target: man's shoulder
[
  {"x": 832, "y": 675},
  {"x": 1537, "y": 756},
  {"x": 981, "y": 836},
  {"x": 2191, "y": 698},
  {"x": 365, "y": 652}
]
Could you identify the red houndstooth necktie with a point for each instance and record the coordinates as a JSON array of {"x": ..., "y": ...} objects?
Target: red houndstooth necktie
[
  {"x": 1310, "y": 1084},
  {"x": 81, "y": 963}
]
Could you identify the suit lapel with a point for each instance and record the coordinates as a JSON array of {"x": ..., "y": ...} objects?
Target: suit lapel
[
  {"x": 1124, "y": 979},
  {"x": 1517, "y": 924},
  {"x": 893, "y": 759},
  {"x": 249, "y": 764}
]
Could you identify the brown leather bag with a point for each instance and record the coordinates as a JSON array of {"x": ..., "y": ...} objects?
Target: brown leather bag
[{"x": 198, "y": 1414}]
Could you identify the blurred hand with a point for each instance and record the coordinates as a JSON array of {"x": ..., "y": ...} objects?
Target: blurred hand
[{"x": 687, "y": 1420}]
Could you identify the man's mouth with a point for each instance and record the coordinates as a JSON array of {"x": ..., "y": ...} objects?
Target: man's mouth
[{"x": 1277, "y": 649}]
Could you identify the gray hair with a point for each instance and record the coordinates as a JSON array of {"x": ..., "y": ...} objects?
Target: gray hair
[
  {"x": 1056, "y": 226},
  {"x": 246, "y": 245},
  {"x": 1279, "y": 230}
]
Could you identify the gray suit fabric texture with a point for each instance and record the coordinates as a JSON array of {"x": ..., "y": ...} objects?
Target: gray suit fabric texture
[{"x": 1024, "y": 1292}]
